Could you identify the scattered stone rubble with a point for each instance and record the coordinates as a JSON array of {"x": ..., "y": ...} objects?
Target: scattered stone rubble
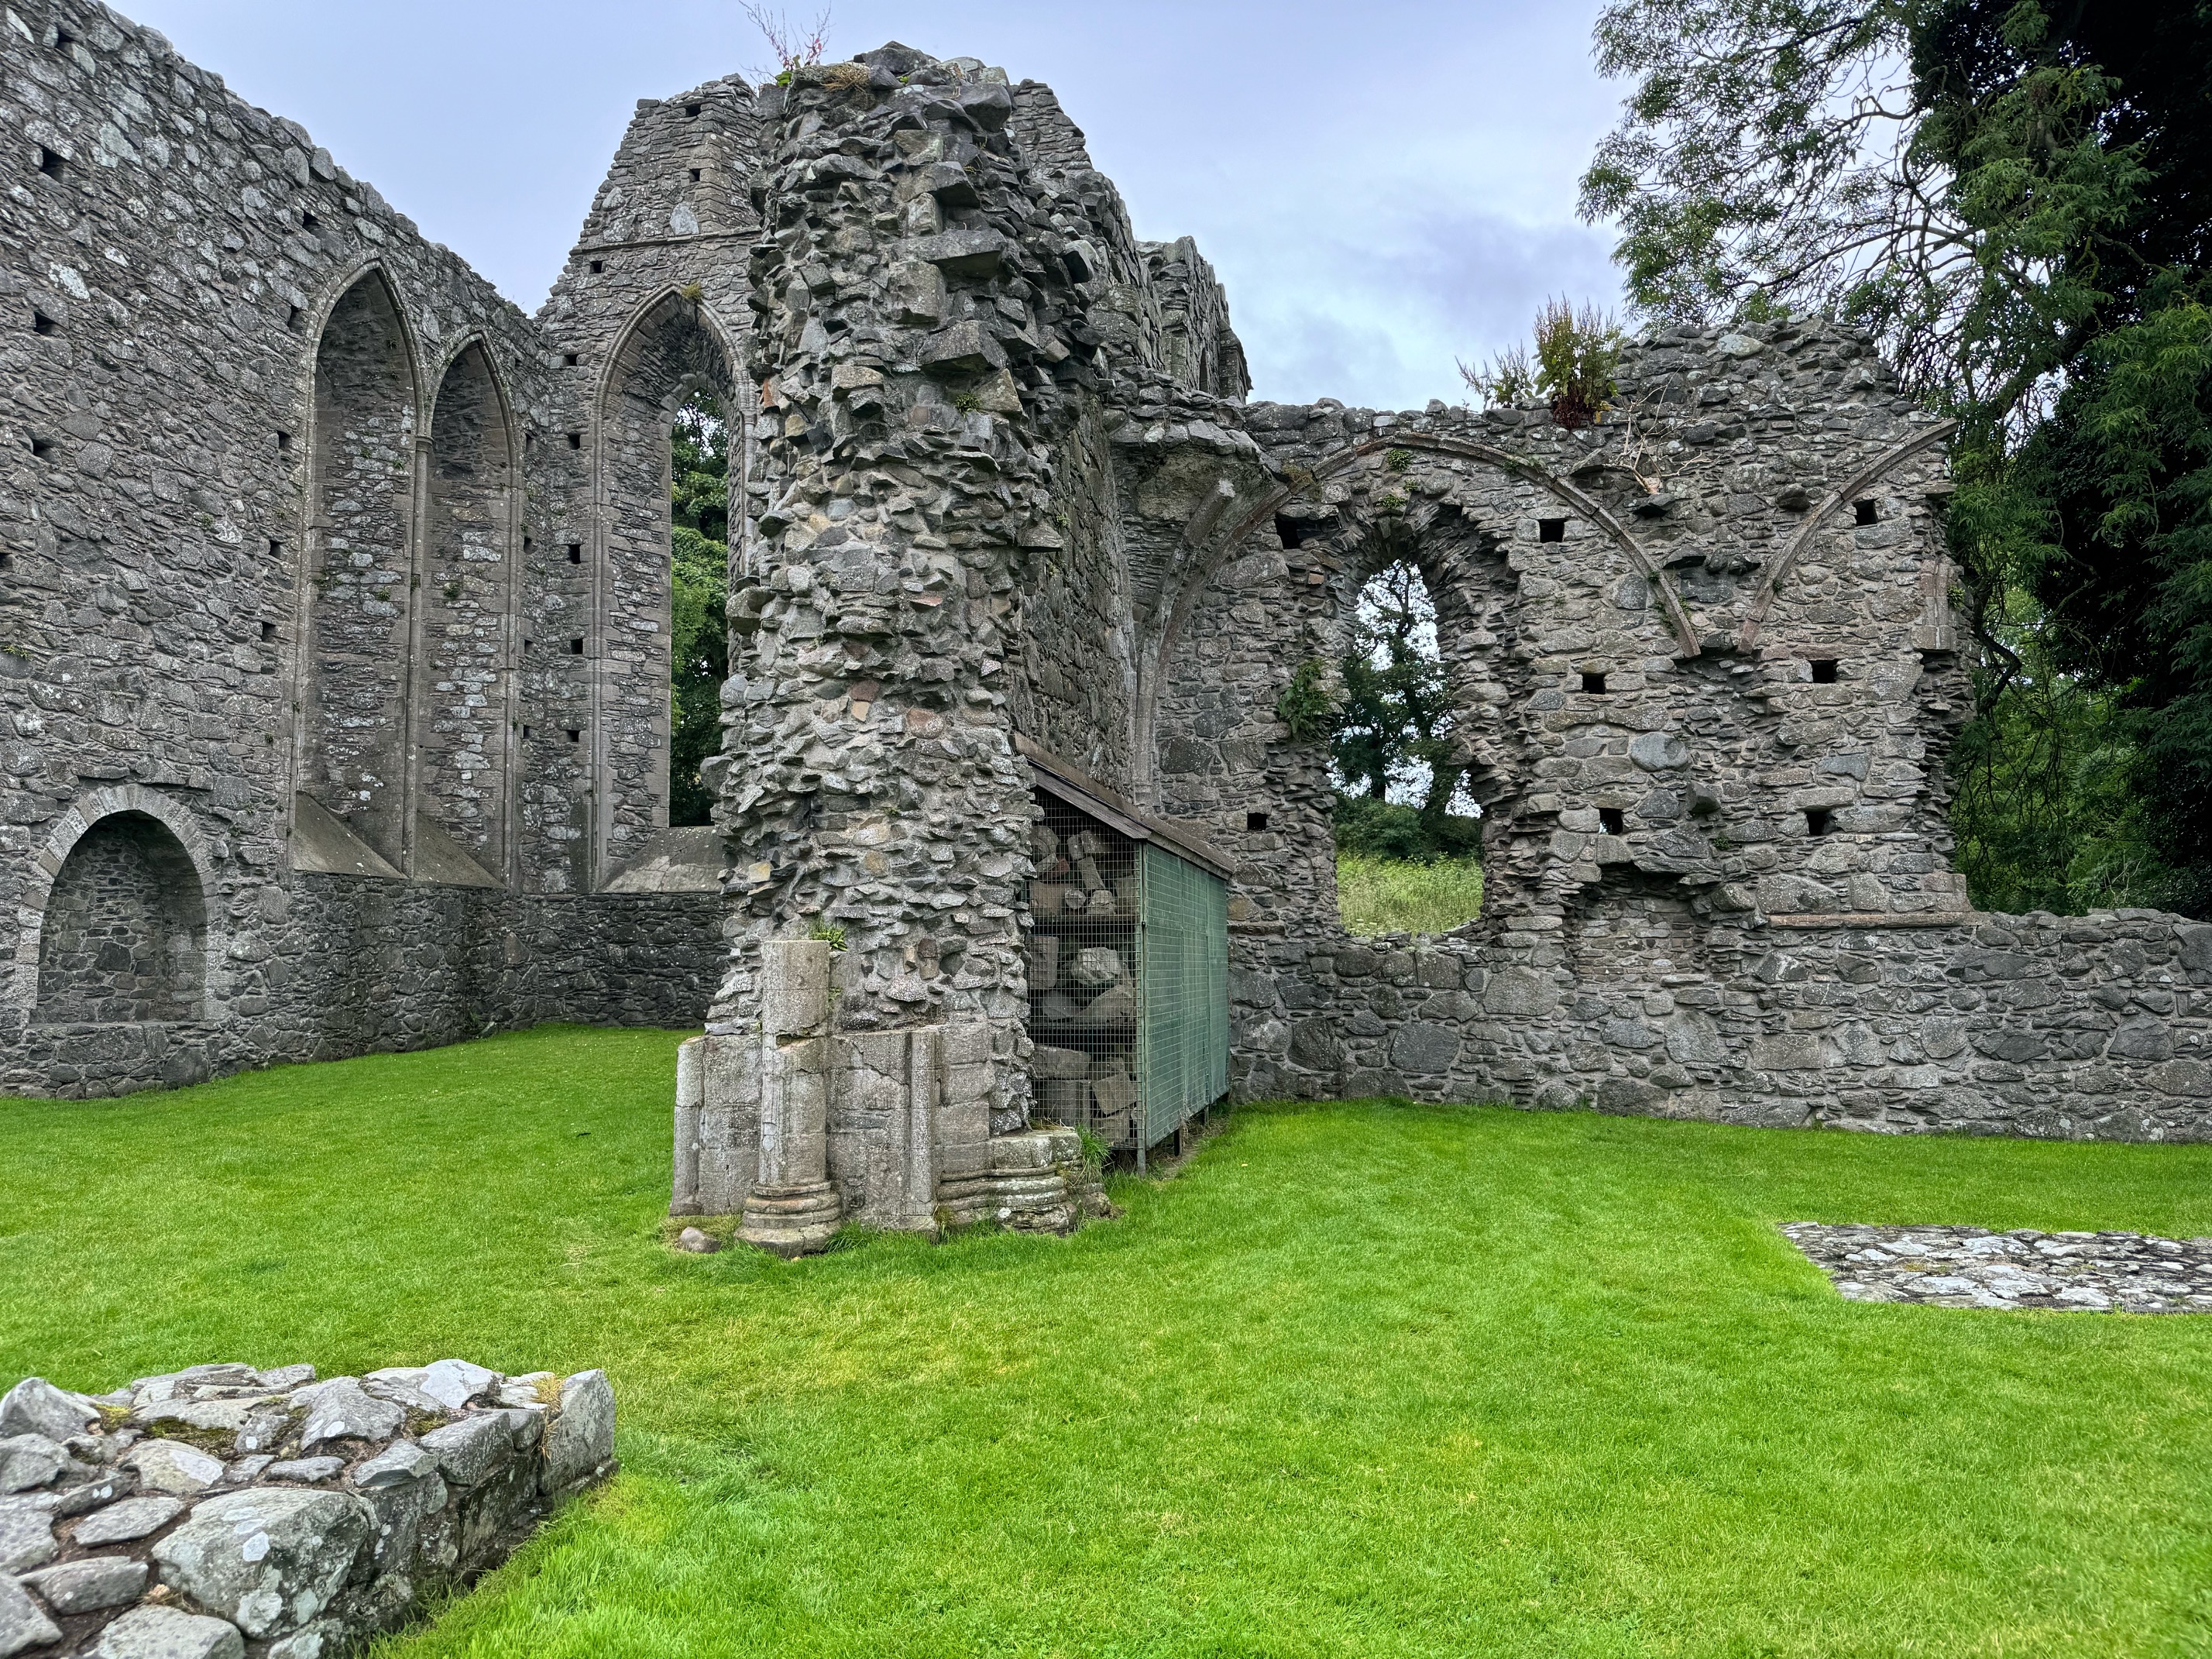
[
  {"x": 1974, "y": 1267},
  {"x": 221, "y": 1512}
]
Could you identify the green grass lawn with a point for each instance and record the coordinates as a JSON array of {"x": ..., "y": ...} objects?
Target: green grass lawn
[
  {"x": 1399, "y": 896},
  {"x": 1363, "y": 1379}
]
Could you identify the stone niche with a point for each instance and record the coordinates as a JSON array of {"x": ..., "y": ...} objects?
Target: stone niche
[
  {"x": 125, "y": 931},
  {"x": 224, "y": 1512}
]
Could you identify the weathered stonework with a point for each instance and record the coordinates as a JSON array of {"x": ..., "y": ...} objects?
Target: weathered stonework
[
  {"x": 345, "y": 585},
  {"x": 1974, "y": 1267},
  {"x": 336, "y": 680},
  {"x": 224, "y": 1512}
]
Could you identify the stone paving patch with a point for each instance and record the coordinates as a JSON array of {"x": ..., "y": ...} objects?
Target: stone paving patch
[{"x": 1974, "y": 1267}]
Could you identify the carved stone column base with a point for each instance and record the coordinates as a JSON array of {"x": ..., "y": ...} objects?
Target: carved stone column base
[
  {"x": 1036, "y": 1181},
  {"x": 792, "y": 1221}
]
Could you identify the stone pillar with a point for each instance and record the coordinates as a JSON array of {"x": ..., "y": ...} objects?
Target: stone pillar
[
  {"x": 793, "y": 1207},
  {"x": 913, "y": 1130},
  {"x": 690, "y": 1097}
]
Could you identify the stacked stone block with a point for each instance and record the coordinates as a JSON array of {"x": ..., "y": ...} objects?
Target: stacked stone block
[{"x": 222, "y": 1511}]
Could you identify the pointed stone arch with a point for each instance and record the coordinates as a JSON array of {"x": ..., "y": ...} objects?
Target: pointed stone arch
[
  {"x": 358, "y": 565},
  {"x": 1462, "y": 564},
  {"x": 672, "y": 349},
  {"x": 1522, "y": 649},
  {"x": 465, "y": 649},
  {"x": 1228, "y": 541},
  {"x": 1794, "y": 551}
]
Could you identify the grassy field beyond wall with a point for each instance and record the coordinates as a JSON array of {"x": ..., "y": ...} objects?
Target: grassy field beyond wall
[
  {"x": 1363, "y": 1379},
  {"x": 1397, "y": 896}
]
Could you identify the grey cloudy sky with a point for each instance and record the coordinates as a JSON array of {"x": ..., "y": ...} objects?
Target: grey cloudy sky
[{"x": 1383, "y": 186}]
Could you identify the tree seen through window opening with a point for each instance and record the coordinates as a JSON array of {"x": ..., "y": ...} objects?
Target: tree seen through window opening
[
  {"x": 699, "y": 517},
  {"x": 1407, "y": 830}
]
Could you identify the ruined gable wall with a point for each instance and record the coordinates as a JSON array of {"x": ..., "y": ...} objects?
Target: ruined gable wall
[
  {"x": 1157, "y": 306},
  {"x": 1650, "y": 589},
  {"x": 651, "y": 307},
  {"x": 1199, "y": 348},
  {"x": 1152, "y": 323},
  {"x": 1717, "y": 957},
  {"x": 955, "y": 324}
]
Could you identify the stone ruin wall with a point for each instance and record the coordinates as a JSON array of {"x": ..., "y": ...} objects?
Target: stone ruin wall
[
  {"x": 999, "y": 477},
  {"x": 288, "y": 605},
  {"x": 1774, "y": 935},
  {"x": 954, "y": 317},
  {"x": 226, "y": 1512},
  {"x": 651, "y": 308}
]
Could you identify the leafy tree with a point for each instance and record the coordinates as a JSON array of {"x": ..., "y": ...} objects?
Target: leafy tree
[
  {"x": 2012, "y": 195},
  {"x": 1393, "y": 728},
  {"x": 2126, "y": 464},
  {"x": 699, "y": 514},
  {"x": 2048, "y": 815},
  {"x": 1936, "y": 170}
]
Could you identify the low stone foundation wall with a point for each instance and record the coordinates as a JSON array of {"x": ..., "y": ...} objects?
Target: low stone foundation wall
[
  {"x": 222, "y": 1511},
  {"x": 2096, "y": 1027}
]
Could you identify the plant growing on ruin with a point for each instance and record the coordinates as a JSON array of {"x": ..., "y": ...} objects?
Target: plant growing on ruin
[
  {"x": 1095, "y": 1150},
  {"x": 1398, "y": 459},
  {"x": 1577, "y": 353},
  {"x": 1509, "y": 380},
  {"x": 827, "y": 932},
  {"x": 1307, "y": 706},
  {"x": 1638, "y": 453},
  {"x": 795, "y": 46}
]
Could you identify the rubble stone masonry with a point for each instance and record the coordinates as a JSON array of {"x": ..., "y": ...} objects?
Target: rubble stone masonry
[{"x": 334, "y": 651}]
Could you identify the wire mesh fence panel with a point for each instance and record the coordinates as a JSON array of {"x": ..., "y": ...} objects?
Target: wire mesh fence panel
[
  {"x": 1182, "y": 1042},
  {"x": 1215, "y": 1072},
  {"x": 1084, "y": 997},
  {"x": 1129, "y": 973}
]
